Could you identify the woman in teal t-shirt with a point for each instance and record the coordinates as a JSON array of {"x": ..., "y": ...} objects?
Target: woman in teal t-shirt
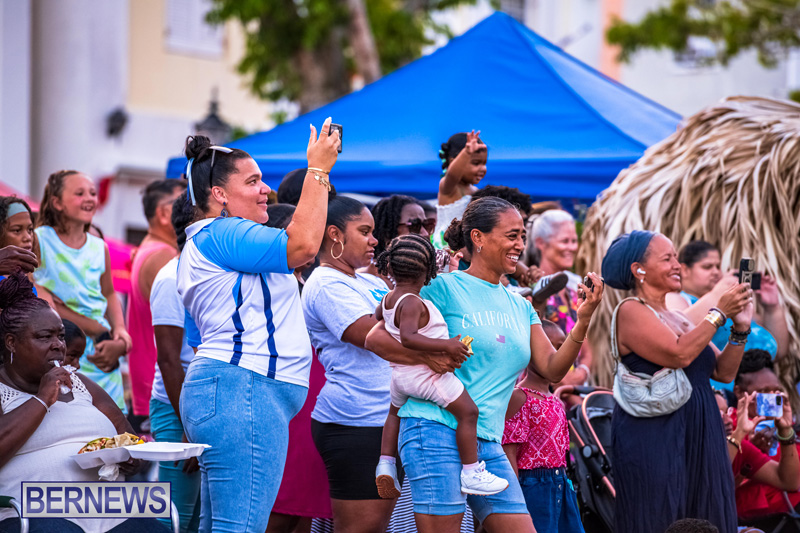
[{"x": 507, "y": 337}]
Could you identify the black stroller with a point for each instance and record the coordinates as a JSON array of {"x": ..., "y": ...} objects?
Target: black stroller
[{"x": 589, "y": 464}]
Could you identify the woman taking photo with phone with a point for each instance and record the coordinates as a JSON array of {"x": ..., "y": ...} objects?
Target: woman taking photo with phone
[
  {"x": 250, "y": 374},
  {"x": 674, "y": 465}
]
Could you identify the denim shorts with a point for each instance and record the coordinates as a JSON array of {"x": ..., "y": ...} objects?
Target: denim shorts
[{"x": 433, "y": 466}]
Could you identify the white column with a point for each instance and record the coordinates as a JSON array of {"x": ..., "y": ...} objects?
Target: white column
[
  {"x": 15, "y": 93},
  {"x": 79, "y": 77}
]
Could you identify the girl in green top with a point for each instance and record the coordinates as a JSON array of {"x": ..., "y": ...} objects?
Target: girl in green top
[{"x": 75, "y": 269}]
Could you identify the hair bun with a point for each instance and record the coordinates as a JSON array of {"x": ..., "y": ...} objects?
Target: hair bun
[
  {"x": 454, "y": 235},
  {"x": 14, "y": 289},
  {"x": 196, "y": 145}
]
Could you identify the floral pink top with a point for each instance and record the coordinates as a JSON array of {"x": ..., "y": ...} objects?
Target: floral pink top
[{"x": 540, "y": 429}]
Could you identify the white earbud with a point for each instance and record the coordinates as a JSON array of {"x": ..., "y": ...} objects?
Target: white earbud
[{"x": 640, "y": 271}]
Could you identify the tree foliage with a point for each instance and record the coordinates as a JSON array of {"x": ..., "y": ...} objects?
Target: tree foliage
[
  {"x": 768, "y": 26},
  {"x": 301, "y": 49}
]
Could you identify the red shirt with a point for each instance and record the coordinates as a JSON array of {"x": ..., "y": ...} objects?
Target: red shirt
[
  {"x": 753, "y": 498},
  {"x": 540, "y": 429}
]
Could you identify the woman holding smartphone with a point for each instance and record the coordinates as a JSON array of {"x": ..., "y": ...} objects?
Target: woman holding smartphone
[{"x": 676, "y": 465}]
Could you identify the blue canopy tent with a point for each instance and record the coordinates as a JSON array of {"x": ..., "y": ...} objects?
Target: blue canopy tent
[{"x": 554, "y": 126}]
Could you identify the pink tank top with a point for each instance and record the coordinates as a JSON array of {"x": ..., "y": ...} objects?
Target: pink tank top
[
  {"x": 540, "y": 430},
  {"x": 142, "y": 357}
]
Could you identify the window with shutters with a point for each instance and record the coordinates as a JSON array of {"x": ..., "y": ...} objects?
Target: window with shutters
[{"x": 188, "y": 32}]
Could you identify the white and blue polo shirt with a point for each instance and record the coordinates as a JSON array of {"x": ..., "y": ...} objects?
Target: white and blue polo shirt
[{"x": 239, "y": 291}]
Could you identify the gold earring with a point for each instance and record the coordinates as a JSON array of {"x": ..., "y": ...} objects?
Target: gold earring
[{"x": 335, "y": 242}]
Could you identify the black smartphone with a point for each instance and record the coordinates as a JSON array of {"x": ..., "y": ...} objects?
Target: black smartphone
[
  {"x": 337, "y": 127},
  {"x": 746, "y": 268},
  {"x": 755, "y": 283},
  {"x": 587, "y": 281}
]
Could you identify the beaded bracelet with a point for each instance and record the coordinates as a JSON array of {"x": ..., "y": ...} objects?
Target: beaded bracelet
[
  {"x": 734, "y": 442},
  {"x": 740, "y": 336}
]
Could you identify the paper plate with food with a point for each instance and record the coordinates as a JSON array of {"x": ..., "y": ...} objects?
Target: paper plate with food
[{"x": 120, "y": 448}]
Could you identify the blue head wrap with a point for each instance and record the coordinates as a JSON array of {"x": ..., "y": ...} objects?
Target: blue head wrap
[{"x": 626, "y": 249}]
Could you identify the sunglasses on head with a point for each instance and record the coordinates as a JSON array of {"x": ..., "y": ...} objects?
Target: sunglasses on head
[{"x": 415, "y": 225}]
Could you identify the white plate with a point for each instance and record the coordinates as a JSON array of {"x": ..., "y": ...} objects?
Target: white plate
[
  {"x": 110, "y": 456},
  {"x": 150, "y": 451},
  {"x": 166, "y": 451}
]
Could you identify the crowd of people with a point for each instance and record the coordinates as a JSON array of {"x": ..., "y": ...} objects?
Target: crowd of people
[{"x": 336, "y": 357}]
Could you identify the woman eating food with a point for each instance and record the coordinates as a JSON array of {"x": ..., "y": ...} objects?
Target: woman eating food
[{"x": 40, "y": 424}]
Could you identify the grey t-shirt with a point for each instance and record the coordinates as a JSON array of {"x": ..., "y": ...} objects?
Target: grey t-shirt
[{"x": 356, "y": 392}]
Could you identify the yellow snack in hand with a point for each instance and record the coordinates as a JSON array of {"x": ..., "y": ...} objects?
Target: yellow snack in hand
[{"x": 467, "y": 340}]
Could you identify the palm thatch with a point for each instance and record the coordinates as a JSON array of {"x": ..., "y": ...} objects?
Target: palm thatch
[{"x": 731, "y": 176}]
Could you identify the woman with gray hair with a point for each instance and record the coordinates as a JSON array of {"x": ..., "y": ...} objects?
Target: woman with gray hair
[{"x": 556, "y": 242}]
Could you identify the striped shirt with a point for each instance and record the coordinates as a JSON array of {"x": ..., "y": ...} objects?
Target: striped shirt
[{"x": 239, "y": 291}]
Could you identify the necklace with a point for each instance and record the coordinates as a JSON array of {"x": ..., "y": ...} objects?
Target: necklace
[{"x": 331, "y": 265}]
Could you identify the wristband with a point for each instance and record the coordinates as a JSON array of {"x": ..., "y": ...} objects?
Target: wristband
[
  {"x": 791, "y": 439},
  {"x": 41, "y": 402},
  {"x": 585, "y": 369}
]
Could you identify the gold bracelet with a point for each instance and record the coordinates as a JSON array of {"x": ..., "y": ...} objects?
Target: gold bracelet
[
  {"x": 573, "y": 339},
  {"x": 321, "y": 178},
  {"x": 733, "y": 441},
  {"x": 326, "y": 172}
]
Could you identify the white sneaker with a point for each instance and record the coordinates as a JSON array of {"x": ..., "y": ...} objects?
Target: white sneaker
[
  {"x": 386, "y": 480},
  {"x": 482, "y": 482}
]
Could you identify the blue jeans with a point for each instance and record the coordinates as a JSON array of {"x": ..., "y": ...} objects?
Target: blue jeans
[
  {"x": 433, "y": 466},
  {"x": 244, "y": 416},
  {"x": 166, "y": 427},
  {"x": 551, "y": 500}
]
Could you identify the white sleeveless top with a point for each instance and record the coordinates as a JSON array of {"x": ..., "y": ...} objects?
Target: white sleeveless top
[
  {"x": 45, "y": 455},
  {"x": 445, "y": 215},
  {"x": 436, "y": 328}
]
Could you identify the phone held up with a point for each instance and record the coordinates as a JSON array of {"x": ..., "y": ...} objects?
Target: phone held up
[
  {"x": 769, "y": 405},
  {"x": 337, "y": 127},
  {"x": 587, "y": 281},
  {"x": 747, "y": 273}
]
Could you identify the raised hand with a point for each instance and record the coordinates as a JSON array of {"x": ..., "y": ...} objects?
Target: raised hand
[
  {"x": 323, "y": 150},
  {"x": 734, "y": 300},
  {"x": 591, "y": 298},
  {"x": 473, "y": 143}
]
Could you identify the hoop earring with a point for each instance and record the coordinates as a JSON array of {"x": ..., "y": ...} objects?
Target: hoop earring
[
  {"x": 340, "y": 253},
  {"x": 11, "y": 361},
  {"x": 224, "y": 213}
]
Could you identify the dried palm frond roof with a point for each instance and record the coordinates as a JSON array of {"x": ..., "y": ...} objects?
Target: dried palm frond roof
[{"x": 731, "y": 176}]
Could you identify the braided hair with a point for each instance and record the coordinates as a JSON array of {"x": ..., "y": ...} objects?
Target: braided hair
[
  {"x": 19, "y": 304},
  {"x": 387, "y": 216},
  {"x": 407, "y": 257}
]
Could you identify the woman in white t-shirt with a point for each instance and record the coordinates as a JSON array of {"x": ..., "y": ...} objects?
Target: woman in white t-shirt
[{"x": 339, "y": 303}]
